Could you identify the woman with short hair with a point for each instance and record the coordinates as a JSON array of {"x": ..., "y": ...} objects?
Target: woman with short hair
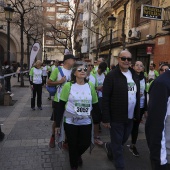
[
  {"x": 77, "y": 99},
  {"x": 36, "y": 82}
]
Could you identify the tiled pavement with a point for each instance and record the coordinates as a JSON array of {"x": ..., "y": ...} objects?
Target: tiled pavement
[{"x": 25, "y": 146}]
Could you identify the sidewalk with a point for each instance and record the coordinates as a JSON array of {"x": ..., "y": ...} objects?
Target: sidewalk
[{"x": 25, "y": 146}]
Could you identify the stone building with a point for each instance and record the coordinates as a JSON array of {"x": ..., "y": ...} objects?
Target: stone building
[{"x": 147, "y": 39}]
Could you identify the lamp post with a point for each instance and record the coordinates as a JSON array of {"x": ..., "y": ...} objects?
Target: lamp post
[
  {"x": 46, "y": 58},
  {"x": 8, "y": 16},
  {"x": 80, "y": 43},
  {"x": 44, "y": 54},
  {"x": 112, "y": 21}
]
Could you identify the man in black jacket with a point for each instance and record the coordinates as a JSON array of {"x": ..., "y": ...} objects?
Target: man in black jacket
[
  {"x": 121, "y": 104},
  {"x": 157, "y": 126}
]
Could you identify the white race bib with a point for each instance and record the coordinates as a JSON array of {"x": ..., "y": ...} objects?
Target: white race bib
[{"x": 82, "y": 107}]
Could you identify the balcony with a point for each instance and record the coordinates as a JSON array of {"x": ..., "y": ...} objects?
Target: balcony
[
  {"x": 105, "y": 8},
  {"x": 117, "y": 3},
  {"x": 93, "y": 44},
  {"x": 117, "y": 38}
]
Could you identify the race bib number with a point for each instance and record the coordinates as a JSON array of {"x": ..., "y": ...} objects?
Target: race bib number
[{"x": 82, "y": 108}]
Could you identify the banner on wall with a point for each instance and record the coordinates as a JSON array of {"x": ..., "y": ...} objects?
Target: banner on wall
[{"x": 34, "y": 52}]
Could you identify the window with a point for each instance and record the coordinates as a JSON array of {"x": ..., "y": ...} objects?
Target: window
[
  {"x": 51, "y": 17},
  {"x": 49, "y": 34},
  {"x": 62, "y": 0},
  {"x": 51, "y": 1},
  {"x": 81, "y": 16},
  {"x": 50, "y": 42},
  {"x": 62, "y": 16},
  {"x": 60, "y": 9},
  {"x": 48, "y": 25},
  {"x": 50, "y": 9}
]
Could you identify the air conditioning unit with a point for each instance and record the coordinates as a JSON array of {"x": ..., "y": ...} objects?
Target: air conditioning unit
[
  {"x": 166, "y": 25},
  {"x": 134, "y": 34}
]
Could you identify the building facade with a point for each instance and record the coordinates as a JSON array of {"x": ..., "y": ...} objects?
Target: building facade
[{"x": 147, "y": 39}]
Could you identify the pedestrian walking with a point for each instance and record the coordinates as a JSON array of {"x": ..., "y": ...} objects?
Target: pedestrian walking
[
  {"x": 36, "y": 82},
  {"x": 76, "y": 101},
  {"x": 44, "y": 72},
  {"x": 8, "y": 78},
  {"x": 139, "y": 69},
  {"x": 50, "y": 70},
  {"x": 121, "y": 99},
  {"x": 100, "y": 76},
  {"x": 152, "y": 72},
  {"x": 157, "y": 126},
  {"x": 56, "y": 79}
]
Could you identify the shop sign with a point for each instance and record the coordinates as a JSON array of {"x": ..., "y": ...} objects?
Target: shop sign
[
  {"x": 149, "y": 50},
  {"x": 151, "y": 12}
]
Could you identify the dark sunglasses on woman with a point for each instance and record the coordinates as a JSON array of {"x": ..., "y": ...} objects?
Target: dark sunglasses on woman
[{"x": 82, "y": 69}]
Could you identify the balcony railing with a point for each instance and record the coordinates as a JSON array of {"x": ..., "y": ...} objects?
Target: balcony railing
[
  {"x": 117, "y": 3},
  {"x": 116, "y": 37},
  {"x": 105, "y": 7}
]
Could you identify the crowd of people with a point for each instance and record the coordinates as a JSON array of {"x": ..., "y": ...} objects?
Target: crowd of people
[{"x": 91, "y": 95}]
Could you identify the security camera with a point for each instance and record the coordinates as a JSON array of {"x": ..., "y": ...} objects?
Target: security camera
[{"x": 148, "y": 36}]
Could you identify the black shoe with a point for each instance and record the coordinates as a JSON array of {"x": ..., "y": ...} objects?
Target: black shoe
[
  {"x": 33, "y": 108},
  {"x": 134, "y": 151},
  {"x": 80, "y": 161},
  {"x": 40, "y": 108},
  {"x": 108, "y": 151},
  {"x": 2, "y": 135}
]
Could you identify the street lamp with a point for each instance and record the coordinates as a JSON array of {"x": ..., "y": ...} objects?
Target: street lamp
[
  {"x": 44, "y": 53},
  {"x": 46, "y": 58},
  {"x": 80, "y": 43},
  {"x": 8, "y": 16},
  {"x": 112, "y": 21}
]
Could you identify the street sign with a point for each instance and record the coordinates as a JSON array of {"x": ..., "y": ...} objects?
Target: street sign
[{"x": 151, "y": 12}]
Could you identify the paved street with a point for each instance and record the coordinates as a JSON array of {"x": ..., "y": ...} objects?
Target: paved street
[{"x": 25, "y": 146}]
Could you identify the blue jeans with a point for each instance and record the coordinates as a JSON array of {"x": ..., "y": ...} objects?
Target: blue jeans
[{"x": 119, "y": 133}]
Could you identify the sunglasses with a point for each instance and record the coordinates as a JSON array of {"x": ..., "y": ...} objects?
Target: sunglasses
[
  {"x": 90, "y": 65},
  {"x": 82, "y": 69},
  {"x": 163, "y": 69},
  {"x": 125, "y": 58}
]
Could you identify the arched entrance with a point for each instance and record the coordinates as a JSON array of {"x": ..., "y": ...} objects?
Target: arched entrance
[{"x": 3, "y": 48}]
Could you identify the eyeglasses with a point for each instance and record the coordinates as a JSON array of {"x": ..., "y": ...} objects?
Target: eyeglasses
[
  {"x": 90, "y": 65},
  {"x": 125, "y": 58},
  {"x": 164, "y": 69},
  {"x": 82, "y": 69}
]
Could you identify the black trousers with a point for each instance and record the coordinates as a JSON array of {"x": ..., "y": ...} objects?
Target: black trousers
[
  {"x": 135, "y": 129},
  {"x": 79, "y": 139},
  {"x": 119, "y": 134},
  {"x": 45, "y": 79},
  {"x": 37, "y": 89}
]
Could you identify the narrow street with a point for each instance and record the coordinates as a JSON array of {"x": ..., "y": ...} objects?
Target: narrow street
[{"x": 25, "y": 146}]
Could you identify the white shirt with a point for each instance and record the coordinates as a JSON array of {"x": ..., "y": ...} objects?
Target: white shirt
[
  {"x": 80, "y": 98},
  {"x": 44, "y": 71},
  {"x": 142, "y": 94},
  {"x": 66, "y": 73},
  {"x": 100, "y": 80},
  {"x": 92, "y": 79},
  {"x": 151, "y": 74},
  {"x": 132, "y": 89},
  {"x": 37, "y": 76}
]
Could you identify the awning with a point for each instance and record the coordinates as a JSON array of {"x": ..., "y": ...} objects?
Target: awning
[{"x": 148, "y": 42}]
